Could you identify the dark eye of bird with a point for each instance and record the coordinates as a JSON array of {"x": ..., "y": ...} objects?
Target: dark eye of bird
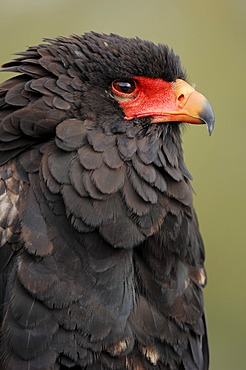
[{"x": 124, "y": 87}]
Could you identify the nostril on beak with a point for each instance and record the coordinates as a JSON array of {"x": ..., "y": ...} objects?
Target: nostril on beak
[{"x": 181, "y": 99}]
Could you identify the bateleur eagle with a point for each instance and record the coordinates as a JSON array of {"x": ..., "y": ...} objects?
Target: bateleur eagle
[{"x": 101, "y": 259}]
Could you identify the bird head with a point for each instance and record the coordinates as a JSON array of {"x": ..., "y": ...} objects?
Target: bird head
[{"x": 146, "y": 80}]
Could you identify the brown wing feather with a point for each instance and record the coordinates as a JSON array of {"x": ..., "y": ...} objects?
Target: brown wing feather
[{"x": 11, "y": 187}]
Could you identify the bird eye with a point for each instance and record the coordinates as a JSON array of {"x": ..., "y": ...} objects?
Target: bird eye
[{"x": 124, "y": 88}]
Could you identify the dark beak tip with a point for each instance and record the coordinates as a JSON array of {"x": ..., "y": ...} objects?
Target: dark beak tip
[{"x": 207, "y": 116}]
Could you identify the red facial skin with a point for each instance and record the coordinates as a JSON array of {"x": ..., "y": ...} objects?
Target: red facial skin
[{"x": 163, "y": 101}]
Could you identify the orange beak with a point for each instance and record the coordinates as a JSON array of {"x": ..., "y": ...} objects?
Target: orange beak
[{"x": 189, "y": 106}]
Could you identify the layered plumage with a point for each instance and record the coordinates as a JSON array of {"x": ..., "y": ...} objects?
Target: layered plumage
[{"x": 101, "y": 259}]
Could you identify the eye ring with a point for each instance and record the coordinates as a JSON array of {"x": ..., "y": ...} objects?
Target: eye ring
[{"x": 124, "y": 88}]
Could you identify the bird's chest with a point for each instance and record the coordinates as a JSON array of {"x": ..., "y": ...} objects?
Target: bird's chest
[{"x": 83, "y": 288}]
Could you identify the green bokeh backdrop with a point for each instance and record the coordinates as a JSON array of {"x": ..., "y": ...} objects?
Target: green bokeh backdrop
[{"x": 210, "y": 37}]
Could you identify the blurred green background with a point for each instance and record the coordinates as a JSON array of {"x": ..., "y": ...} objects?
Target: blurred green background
[{"x": 210, "y": 37}]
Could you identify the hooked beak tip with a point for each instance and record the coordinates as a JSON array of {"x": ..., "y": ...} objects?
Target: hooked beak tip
[{"x": 207, "y": 116}]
